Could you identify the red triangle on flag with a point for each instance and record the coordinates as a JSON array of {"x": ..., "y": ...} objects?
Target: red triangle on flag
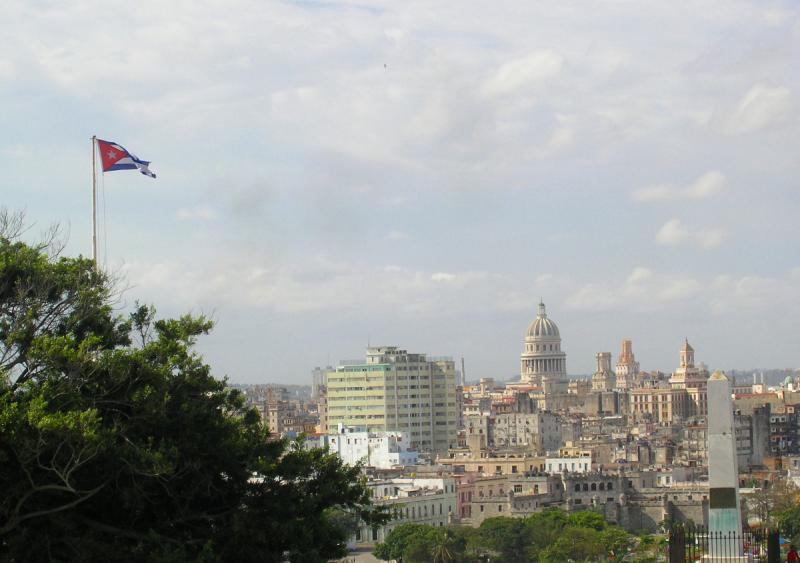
[{"x": 109, "y": 153}]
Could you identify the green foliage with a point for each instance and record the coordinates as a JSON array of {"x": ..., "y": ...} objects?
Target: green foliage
[
  {"x": 587, "y": 519},
  {"x": 548, "y": 536},
  {"x": 574, "y": 543},
  {"x": 117, "y": 443},
  {"x": 398, "y": 539},
  {"x": 789, "y": 523},
  {"x": 505, "y": 536}
]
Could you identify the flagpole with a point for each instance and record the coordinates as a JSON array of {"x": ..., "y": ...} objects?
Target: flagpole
[{"x": 94, "y": 201}]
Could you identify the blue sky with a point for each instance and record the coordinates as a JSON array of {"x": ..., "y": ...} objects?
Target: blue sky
[{"x": 420, "y": 174}]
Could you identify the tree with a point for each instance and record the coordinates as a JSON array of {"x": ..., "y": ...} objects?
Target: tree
[
  {"x": 543, "y": 529},
  {"x": 575, "y": 543},
  {"x": 616, "y": 542},
  {"x": 788, "y": 521},
  {"x": 443, "y": 549},
  {"x": 587, "y": 519},
  {"x": 769, "y": 503},
  {"x": 505, "y": 536},
  {"x": 117, "y": 443},
  {"x": 398, "y": 539}
]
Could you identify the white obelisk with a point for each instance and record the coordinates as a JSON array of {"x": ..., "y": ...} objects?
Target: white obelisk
[{"x": 724, "y": 517}]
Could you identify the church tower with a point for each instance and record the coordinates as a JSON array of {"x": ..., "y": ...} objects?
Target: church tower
[
  {"x": 603, "y": 378},
  {"x": 627, "y": 367}
]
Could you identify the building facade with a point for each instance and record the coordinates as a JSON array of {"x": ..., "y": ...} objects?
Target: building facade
[
  {"x": 382, "y": 450},
  {"x": 694, "y": 379},
  {"x": 603, "y": 379},
  {"x": 394, "y": 390}
]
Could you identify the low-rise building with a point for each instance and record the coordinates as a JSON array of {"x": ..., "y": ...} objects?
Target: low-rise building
[{"x": 430, "y": 501}]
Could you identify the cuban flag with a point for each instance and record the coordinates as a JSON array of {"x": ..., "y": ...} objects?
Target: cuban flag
[{"x": 114, "y": 156}]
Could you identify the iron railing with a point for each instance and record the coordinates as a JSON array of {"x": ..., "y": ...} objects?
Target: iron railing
[{"x": 692, "y": 544}]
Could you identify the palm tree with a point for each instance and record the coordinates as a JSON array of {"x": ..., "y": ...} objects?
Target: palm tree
[{"x": 442, "y": 551}]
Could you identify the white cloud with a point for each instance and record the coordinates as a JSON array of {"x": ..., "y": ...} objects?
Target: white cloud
[
  {"x": 319, "y": 285},
  {"x": 761, "y": 108},
  {"x": 443, "y": 277},
  {"x": 642, "y": 290},
  {"x": 647, "y": 291},
  {"x": 755, "y": 294},
  {"x": 708, "y": 185},
  {"x": 710, "y": 238},
  {"x": 201, "y": 212},
  {"x": 396, "y": 235},
  {"x": 17, "y": 151},
  {"x": 639, "y": 275},
  {"x": 674, "y": 233},
  {"x": 524, "y": 73}
]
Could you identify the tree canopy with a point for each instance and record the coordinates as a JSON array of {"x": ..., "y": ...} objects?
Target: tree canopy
[
  {"x": 551, "y": 536},
  {"x": 118, "y": 443}
]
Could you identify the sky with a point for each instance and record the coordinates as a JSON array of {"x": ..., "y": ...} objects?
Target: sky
[{"x": 338, "y": 174}]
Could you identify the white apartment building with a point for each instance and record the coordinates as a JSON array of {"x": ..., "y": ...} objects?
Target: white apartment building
[
  {"x": 383, "y": 450},
  {"x": 581, "y": 464}
]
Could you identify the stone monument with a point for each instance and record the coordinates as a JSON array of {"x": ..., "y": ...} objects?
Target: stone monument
[{"x": 724, "y": 516}]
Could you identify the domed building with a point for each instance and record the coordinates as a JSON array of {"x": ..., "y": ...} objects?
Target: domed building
[{"x": 542, "y": 362}]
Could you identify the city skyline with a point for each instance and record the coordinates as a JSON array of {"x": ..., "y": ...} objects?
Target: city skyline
[{"x": 333, "y": 175}]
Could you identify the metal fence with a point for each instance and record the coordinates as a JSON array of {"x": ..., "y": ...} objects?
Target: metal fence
[{"x": 689, "y": 545}]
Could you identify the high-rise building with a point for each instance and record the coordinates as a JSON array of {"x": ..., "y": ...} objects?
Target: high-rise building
[
  {"x": 318, "y": 380},
  {"x": 542, "y": 362},
  {"x": 396, "y": 391},
  {"x": 627, "y": 367}
]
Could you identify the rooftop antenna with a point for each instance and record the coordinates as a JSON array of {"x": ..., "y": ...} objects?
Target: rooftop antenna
[{"x": 463, "y": 373}]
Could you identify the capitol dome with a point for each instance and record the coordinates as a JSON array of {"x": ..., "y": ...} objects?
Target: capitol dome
[
  {"x": 543, "y": 362},
  {"x": 542, "y": 327}
]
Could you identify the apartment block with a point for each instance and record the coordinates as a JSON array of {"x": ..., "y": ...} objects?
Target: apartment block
[{"x": 393, "y": 390}]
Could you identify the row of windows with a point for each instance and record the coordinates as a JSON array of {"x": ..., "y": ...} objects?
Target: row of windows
[
  {"x": 594, "y": 487},
  {"x": 405, "y": 513}
]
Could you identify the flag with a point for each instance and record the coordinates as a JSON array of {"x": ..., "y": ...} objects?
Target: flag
[{"x": 114, "y": 156}]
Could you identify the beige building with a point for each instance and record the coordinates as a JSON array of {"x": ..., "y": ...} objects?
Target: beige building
[
  {"x": 394, "y": 390},
  {"x": 488, "y": 464},
  {"x": 694, "y": 379},
  {"x": 603, "y": 379},
  {"x": 663, "y": 405},
  {"x": 627, "y": 367}
]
